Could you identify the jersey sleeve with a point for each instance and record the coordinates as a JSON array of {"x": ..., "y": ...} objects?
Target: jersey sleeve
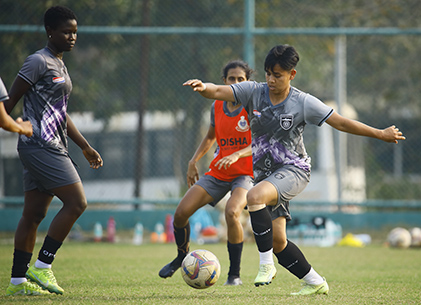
[
  {"x": 212, "y": 115},
  {"x": 315, "y": 111},
  {"x": 3, "y": 92},
  {"x": 33, "y": 68},
  {"x": 243, "y": 92}
]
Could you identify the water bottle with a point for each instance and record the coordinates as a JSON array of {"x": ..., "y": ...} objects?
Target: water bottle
[
  {"x": 111, "y": 230},
  {"x": 97, "y": 232},
  {"x": 138, "y": 234}
]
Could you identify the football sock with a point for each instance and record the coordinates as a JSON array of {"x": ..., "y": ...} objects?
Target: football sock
[
  {"x": 182, "y": 239},
  {"x": 261, "y": 223},
  {"x": 293, "y": 260},
  {"x": 313, "y": 278},
  {"x": 266, "y": 257},
  {"x": 48, "y": 250},
  {"x": 18, "y": 280},
  {"x": 21, "y": 262},
  {"x": 234, "y": 252},
  {"x": 40, "y": 264}
]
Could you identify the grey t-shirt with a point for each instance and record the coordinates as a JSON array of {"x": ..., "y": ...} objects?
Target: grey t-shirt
[
  {"x": 45, "y": 103},
  {"x": 277, "y": 131},
  {"x": 3, "y": 92}
]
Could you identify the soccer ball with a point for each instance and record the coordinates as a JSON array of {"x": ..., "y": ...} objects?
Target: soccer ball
[
  {"x": 399, "y": 238},
  {"x": 415, "y": 237},
  {"x": 200, "y": 269}
]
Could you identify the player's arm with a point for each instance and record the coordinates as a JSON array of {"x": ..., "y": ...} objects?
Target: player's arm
[
  {"x": 93, "y": 157},
  {"x": 390, "y": 134},
  {"x": 234, "y": 157},
  {"x": 211, "y": 91},
  {"x": 19, "y": 126},
  {"x": 18, "y": 89},
  {"x": 202, "y": 149}
]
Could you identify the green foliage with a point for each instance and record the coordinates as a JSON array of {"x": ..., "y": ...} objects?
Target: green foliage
[{"x": 126, "y": 274}]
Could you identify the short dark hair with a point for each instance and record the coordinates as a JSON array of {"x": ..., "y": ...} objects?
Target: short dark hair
[
  {"x": 284, "y": 55},
  {"x": 55, "y": 15},
  {"x": 237, "y": 63}
]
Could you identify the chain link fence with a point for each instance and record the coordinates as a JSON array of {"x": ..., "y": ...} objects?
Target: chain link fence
[{"x": 123, "y": 77}]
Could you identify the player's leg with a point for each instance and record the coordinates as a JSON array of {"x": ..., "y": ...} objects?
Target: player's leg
[
  {"x": 195, "y": 198},
  {"x": 292, "y": 259},
  {"x": 233, "y": 209},
  {"x": 292, "y": 181},
  {"x": 34, "y": 211},
  {"x": 264, "y": 193},
  {"x": 74, "y": 204}
]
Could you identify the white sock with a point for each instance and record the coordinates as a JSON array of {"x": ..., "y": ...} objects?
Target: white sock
[
  {"x": 313, "y": 278},
  {"x": 39, "y": 264},
  {"x": 266, "y": 257},
  {"x": 18, "y": 280}
]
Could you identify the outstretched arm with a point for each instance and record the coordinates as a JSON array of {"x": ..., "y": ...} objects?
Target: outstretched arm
[
  {"x": 93, "y": 157},
  {"x": 231, "y": 159},
  {"x": 205, "y": 145},
  {"x": 390, "y": 134},
  {"x": 211, "y": 91}
]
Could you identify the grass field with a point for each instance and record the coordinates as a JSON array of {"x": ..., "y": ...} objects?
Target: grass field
[{"x": 103, "y": 273}]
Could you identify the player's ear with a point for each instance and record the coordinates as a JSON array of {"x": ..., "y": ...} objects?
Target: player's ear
[{"x": 292, "y": 75}]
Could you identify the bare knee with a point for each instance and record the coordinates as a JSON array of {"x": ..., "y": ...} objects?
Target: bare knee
[
  {"x": 254, "y": 198},
  {"x": 181, "y": 217},
  {"x": 81, "y": 207},
  {"x": 232, "y": 215},
  {"x": 34, "y": 218},
  {"x": 77, "y": 207}
]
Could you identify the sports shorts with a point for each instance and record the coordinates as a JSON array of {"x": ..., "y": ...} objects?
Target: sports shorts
[
  {"x": 289, "y": 181},
  {"x": 45, "y": 169},
  {"x": 217, "y": 189}
]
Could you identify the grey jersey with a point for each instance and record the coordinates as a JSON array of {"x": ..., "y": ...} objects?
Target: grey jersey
[
  {"x": 45, "y": 103},
  {"x": 277, "y": 131},
  {"x": 3, "y": 92}
]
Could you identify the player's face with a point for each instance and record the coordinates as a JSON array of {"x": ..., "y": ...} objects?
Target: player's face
[
  {"x": 278, "y": 79},
  {"x": 63, "y": 38},
  {"x": 235, "y": 76}
]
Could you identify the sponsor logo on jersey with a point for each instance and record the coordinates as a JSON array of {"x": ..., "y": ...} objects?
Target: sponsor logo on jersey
[
  {"x": 58, "y": 80},
  {"x": 233, "y": 141},
  {"x": 256, "y": 113},
  {"x": 286, "y": 121},
  {"x": 242, "y": 125}
]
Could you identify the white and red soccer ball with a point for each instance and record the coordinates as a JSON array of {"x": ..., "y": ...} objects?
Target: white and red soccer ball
[{"x": 200, "y": 269}]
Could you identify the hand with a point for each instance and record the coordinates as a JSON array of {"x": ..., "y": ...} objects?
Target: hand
[
  {"x": 196, "y": 84},
  {"x": 392, "y": 134},
  {"x": 192, "y": 174},
  {"x": 227, "y": 161},
  {"x": 26, "y": 127},
  {"x": 93, "y": 157}
]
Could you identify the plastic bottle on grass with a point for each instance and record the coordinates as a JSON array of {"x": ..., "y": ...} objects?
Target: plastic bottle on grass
[
  {"x": 111, "y": 230},
  {"x": 97, "y": 232}
]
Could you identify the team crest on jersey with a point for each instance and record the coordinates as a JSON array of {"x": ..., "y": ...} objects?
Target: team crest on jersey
[
  {"x": 58, "y": 80},
  {"x": 242, "y": 125},
  {"x": 286, "y": 121}
]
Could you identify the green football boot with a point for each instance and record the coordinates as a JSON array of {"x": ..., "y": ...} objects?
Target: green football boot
[
  {"x": 26, "y": 288},
  {"x": 309, "y": 289},
  {"x": 45, "y": 278},
  {"x": 267, "y": 272}
]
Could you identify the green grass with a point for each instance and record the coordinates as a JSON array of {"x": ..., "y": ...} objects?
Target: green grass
[{"x": 102, "y": 273}]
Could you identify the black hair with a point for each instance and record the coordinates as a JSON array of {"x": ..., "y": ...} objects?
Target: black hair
[
  {"x": 284, "y": 55},
  {"x": 234, "y": 64},
  {"x": 55, "y": 15}
]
